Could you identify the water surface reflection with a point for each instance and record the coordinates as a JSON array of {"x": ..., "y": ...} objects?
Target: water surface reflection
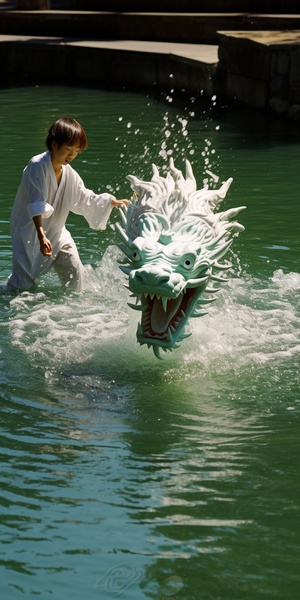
[{"x": 125, "y": 476}]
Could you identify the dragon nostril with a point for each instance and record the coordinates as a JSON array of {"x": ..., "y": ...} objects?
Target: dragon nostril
[
  {"x": 149, "y": 278},
  {"x": 139, "y": 276}
]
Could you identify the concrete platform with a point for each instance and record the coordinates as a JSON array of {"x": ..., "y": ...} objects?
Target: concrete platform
[
  {"x": 39, "y": 60},
  {"x": 191, "y": 28},
  {"x": 277, "y": 6},
  {"x": 262, "y": 69}
]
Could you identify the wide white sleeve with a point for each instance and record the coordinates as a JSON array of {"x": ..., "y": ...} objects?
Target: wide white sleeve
[
  {"x": 95, "y": 208},
  {"x": 34, "y": 181}
]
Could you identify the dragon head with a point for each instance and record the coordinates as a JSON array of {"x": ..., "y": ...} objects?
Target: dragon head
[{"x": 174, "y": 245}]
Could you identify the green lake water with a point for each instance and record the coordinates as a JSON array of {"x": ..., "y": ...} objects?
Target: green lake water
[{"x": 123, "y": 476}]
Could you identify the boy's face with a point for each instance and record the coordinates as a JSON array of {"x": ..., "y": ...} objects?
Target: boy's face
[{"x": 64, "y": 154}]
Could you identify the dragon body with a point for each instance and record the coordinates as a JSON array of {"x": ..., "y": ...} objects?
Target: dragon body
[{"x": 174, "y": 242}]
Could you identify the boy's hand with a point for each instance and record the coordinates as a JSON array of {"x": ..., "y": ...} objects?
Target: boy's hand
[
  {"x": 118, "y": 203},
  {"x": 45, "y": 246}
]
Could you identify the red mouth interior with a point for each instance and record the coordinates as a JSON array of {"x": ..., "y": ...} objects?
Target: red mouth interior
[{"x": 156, "y": 321}]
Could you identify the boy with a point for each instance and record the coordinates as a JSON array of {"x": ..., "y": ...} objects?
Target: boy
[{"x": 49, "y": 190}]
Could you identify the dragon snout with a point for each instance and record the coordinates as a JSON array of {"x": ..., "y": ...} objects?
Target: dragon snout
[{"x": 150, "y": 278}]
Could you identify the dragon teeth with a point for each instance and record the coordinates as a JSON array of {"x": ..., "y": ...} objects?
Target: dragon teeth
[
  {"x": 164, "y": 302},
  {"x": 169, "y": 336}
]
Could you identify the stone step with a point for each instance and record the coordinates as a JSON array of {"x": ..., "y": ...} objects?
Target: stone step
[
  {"x": 196, "y": 6},
  {"x": 262, "y": 69},
  {"x": 163, "y": 27},
  {"x": 259, "y": 69},
  {"x": 28, "y": 60}
]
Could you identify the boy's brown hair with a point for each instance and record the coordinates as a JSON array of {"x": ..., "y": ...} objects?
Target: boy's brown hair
[{"x": 67, "y": 131}]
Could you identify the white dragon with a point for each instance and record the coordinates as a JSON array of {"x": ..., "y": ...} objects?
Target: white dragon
[{"x": 174, "y": 244}]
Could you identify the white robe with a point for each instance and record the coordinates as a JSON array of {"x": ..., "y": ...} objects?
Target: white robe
[{"x": 39, "y": 194}]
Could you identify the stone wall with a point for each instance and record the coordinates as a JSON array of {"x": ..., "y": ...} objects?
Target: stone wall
[
  {"x": 200, "y": 6},
  {"x": 33, "y": 4},
  {"x": 262, "y": 69}
]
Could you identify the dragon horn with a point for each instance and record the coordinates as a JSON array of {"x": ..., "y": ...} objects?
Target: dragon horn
[
  {"x": 189, "y": 171},
  {"x": 155, "y": 170},
  {"x": 122, "y": 233},
  {"x": 232, "y": 212}
]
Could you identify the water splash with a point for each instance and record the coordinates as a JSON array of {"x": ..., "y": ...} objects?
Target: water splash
[
  {"x": 254, "y": 323},
  {"x": 171, "y": 134},
  {"x": 54, "y": 328}
]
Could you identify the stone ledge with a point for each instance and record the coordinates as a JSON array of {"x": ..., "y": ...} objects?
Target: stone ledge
[
  {"x": 258, "y": 6},
  {"x": 33, "y": 4},
  {"x": 262, "y": 69},
  {"x": 165, "y": 27},
  {"x": 259, "y": 69},
  {"x": 138, "y": 65}
]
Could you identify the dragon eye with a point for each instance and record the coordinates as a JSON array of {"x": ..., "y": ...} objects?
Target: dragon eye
[
  {"x": 135, "y": 255},
  {"x": 188, "y": 262}
]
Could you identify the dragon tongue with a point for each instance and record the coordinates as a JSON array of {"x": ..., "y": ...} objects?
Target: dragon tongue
[{"x": 161, "y": 319}]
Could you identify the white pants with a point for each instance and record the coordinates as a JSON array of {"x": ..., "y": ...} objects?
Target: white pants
[{"x": 69, "y": 267}]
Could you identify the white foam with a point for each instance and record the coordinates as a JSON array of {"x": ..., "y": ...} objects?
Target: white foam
[
  {"x": 253, "y": 322},
  {"x": 71, "y": 327}
]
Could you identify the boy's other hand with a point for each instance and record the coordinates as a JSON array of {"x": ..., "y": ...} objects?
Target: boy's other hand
[{"x": 45, "y": 247}]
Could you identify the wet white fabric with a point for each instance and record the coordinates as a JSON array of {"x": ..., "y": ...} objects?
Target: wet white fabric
[
  {"x": 69, "y": 267},
  {"x": 39, "y": 194}
]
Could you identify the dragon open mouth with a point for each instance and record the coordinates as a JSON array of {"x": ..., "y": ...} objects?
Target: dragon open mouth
[{"x": 163, "y": 319}]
